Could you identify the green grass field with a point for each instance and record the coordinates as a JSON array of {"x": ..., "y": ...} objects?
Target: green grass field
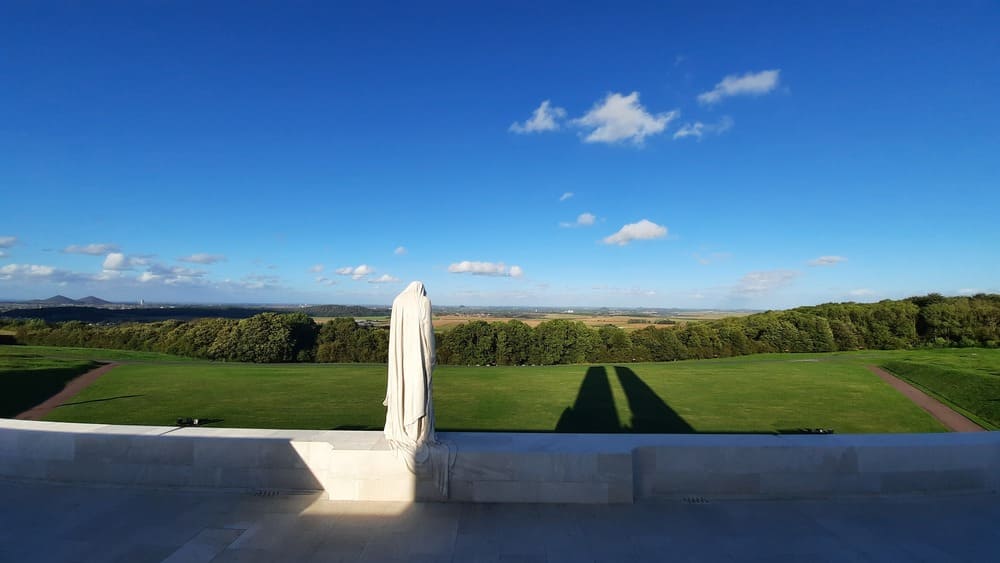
[{"x": 764, "y": 393}]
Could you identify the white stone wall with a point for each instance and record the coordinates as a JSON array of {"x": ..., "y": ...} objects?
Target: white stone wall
[{"x": 504, "y": 467}]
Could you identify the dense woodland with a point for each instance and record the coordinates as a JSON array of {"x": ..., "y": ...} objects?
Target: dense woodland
[{"x": 928, "y": 321}]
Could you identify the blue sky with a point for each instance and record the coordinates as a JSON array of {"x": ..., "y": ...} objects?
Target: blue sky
[{"x": 695, "y": 154}]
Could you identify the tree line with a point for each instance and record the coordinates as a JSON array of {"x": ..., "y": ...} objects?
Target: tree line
[{"x": 931, "y": 320}]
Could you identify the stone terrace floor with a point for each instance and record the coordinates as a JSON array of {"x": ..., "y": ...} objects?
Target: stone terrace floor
[{"x": 45, "y": 522}]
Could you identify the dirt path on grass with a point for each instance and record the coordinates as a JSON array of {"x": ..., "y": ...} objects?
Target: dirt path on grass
[
  {"x": 943, "y": 413},
  {"x": 72, "y": 388}
]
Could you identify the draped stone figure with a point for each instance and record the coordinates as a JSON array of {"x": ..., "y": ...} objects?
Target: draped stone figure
[{"x": 409, "y": 419}]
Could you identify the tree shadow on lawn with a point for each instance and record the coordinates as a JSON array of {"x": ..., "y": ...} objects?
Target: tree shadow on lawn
[{"x": 21, "y": 390}]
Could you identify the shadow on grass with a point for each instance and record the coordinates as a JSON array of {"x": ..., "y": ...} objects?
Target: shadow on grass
[
  {"x": 99, "y": 400},
  {"x": 594, "y": 410},
  {"x": 650, "y": 413},
  {"x": 21, "y": 390}
]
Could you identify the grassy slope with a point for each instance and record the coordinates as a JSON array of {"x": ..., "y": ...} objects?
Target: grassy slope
[
  {"x": 749, "y": 394},
  {"x": 26, "y": 379},
  {"x": 966, "y": 379}
]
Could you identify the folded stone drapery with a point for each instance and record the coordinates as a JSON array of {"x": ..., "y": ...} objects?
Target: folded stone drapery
[{"x": 409, "y": 420}]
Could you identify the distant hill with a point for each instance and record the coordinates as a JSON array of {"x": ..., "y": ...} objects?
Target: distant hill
[
  {"x": 55, "y": 300},
  {"x": 105, "y": 315},
  {"x": 91, "y": 300}
]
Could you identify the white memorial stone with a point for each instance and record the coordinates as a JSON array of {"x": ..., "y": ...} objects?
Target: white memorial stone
[{"x": 409, "y": 420}]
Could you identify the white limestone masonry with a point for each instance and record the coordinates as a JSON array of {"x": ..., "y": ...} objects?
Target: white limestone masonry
[{"x": 504, "y": 467}]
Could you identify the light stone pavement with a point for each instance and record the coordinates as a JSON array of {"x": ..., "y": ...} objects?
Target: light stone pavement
[{"x": 53, "y": 523}]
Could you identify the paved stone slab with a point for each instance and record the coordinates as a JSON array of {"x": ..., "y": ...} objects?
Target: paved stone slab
[{"x": 47, "y": 522}]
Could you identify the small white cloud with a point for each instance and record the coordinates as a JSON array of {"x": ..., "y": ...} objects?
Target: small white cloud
[
  {"x": 749, "y": 84},
  {"x": 116, "y": 261},
  {"x": 7, "y": 242},
  {"x": 325, "y": 280},
  {"x": 384, "y": 278},
  {"x": 862, "y": 292},
  {"x": 3, "y": 254},
  {"x": 756, "y": 283},
  {"x": 485, "y": 269},
  {"x": 969, "y": 291},
  {"x": 622, "y": 118},
  {"x": 545, "y": 118},
  {"x": 827, "y": 261},
  {"x": 93, "y": 249},
  {"x": 643, "y": 230},
  {"x": 317, "y": 268},
  {"x": 566, "y": 195},
  {"x": 699, "y": 129},
  {"x": 202, "y": 258},
  {"x": 357, "y": 272},
  {"x": 147, "y": 277},
  {"x": 582, "y": 220},
  {"x": 400, "y": 250}
]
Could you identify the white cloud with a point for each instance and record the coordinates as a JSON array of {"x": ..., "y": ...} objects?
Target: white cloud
[
  {"x": 622, "y": 118},
  {"x": 400, "y": 250},
  {"x": 317, "y": 268},
  {"x": 3, "y": 254},
  {"x": 356, "y": 273},
  {"x": 7, "y": 242},
  {"x": 582, "y": 220},
  {"x": 643, "y": 230},
  {"x": 862, "y": 292},
  {"x": 699, "y": 129},
  {"x": 751, "y": 83},
  {"x": 322, "y": 280},
  {"x": 258, "y": 281},
  {"x": 756, "y": 283},
  {"x": 384, "y": 278},
  {"x": 93, "y": 249},
  {"x": 35, "y": 273},
  {"x": 485, "y": 269},
  {"x": 116, "y": 261},
  {"x": 172, "y": 275},
  {"x": 25, "y": 270},
  {"x": 969, "y": 291},
  {"x": 202, "y": 258},
  {"x": 566, "y": 195},
  {"x": 827, "y": 261},
  {"x": 542, "y": 119}
]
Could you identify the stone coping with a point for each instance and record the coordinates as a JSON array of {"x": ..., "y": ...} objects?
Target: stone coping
[{"x": 504, "y": 467}]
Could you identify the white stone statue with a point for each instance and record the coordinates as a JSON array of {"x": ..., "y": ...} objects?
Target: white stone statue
[{"x": 409, "y": 419}]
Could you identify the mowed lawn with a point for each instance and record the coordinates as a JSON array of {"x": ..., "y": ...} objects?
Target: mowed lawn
[{"x": 765, "y": 393}]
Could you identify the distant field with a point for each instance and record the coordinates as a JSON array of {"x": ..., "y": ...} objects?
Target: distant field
[
  {"x": 627, "y": 322},
  {"x": 764, "y": 393}
]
